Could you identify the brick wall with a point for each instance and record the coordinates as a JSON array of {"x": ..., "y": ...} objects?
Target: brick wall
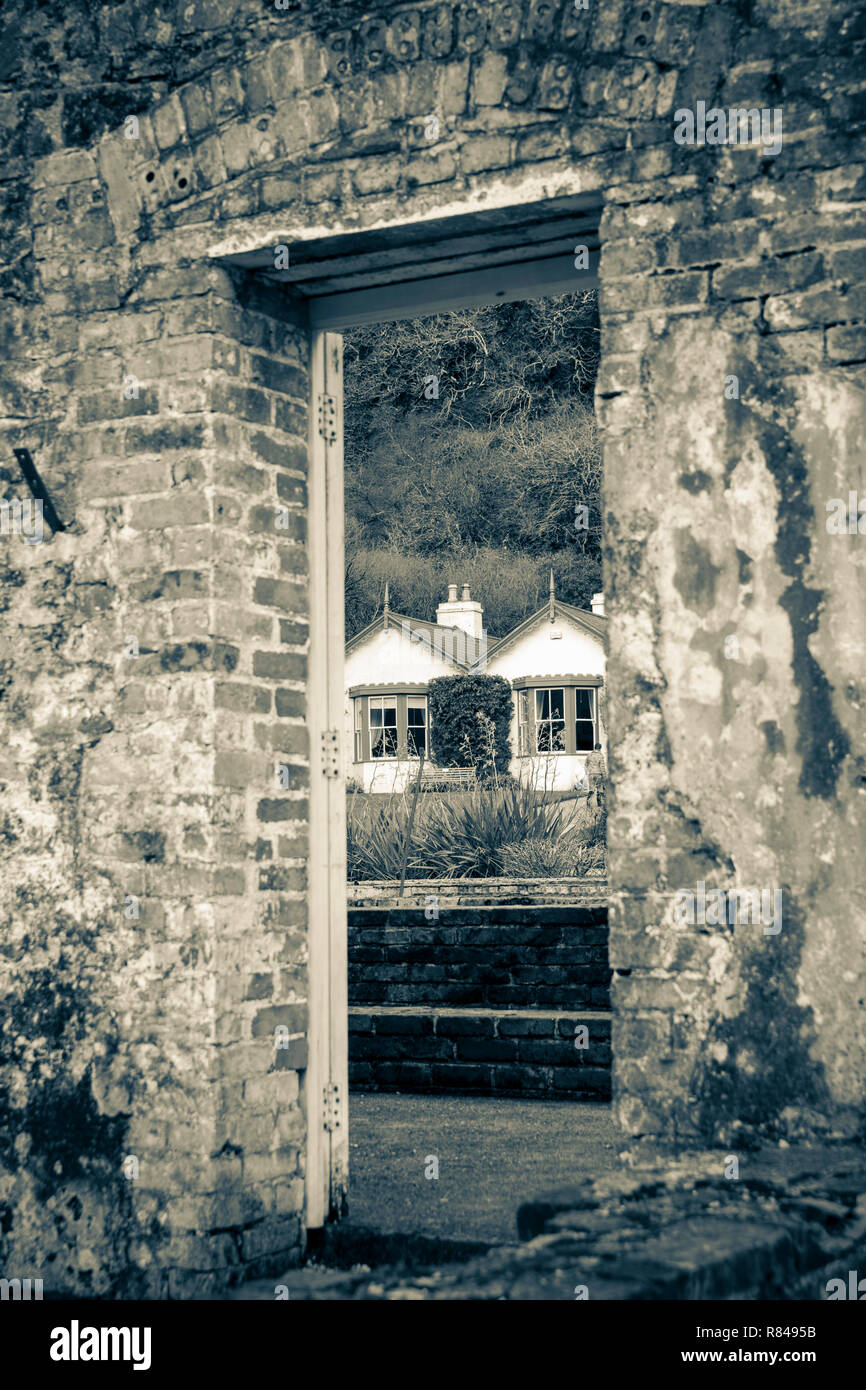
[
  {"x": 483, "y": 999},
  {"x": 496, "y": 957},
  {"x": 465, "y": 1051},
  {"x": 157, "y": 867},
  {"x": 256, "y": 126}
]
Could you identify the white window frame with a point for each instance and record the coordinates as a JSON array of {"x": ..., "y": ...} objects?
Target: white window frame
[
  {"x": 382, "y": 704},
  {"x": 416, "y": 702},
  {"x": 528, "y": 728},
  {"x": 539, "y": 691}
]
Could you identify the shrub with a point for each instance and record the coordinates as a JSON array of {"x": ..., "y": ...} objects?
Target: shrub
[
  {"x": 470, "y": 720},
  {"x": 555, "y": 858},
  {"x": 375, "y": 835},
  {"x": 594, "y": 829},
  {"x": 464, "y": 838},
  {"x": 489, "y": 832},
  {"x": 536, "y": 859}
]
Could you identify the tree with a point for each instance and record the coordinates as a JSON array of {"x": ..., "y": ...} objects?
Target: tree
[
  {"x": 509, "y": 582},
  {"x": 494, "y": 363},
  {"x": 491, "y": 481}
]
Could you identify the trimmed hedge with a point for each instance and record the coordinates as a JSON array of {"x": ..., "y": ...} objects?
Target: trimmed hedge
[{"x": 470, "y": 723}]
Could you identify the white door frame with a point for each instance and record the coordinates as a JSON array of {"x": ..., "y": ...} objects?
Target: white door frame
[{"x": 327, "y": 1073}]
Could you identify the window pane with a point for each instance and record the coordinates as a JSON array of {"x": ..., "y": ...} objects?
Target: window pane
[
  {"x": 583, "y": 703},
  {"x": 390, "y": 743},
  {"x": 375, "y": 716},
  {"x": 542, "y": 704},
  {"x": 391, "y": 715},
  {"x": 557, "y": 704},
  {"x": 558, "y": 736},
  {"x": 523, "y": 706},
  {"x": 584, "y": 741},
  {"x": 416, "y": 731}
]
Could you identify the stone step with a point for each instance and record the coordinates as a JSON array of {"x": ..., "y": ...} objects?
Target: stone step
[
  {"x": 538, "y": 957},
  {"x": 480, "y": 1051}
]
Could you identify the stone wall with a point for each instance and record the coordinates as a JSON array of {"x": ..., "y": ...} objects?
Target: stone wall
[
  {"x": 164, "y": 400},
  {"x": 591, "y": 890}
]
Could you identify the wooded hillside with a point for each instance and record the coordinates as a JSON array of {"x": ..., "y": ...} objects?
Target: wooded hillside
[{"x": 470, "y": 444}]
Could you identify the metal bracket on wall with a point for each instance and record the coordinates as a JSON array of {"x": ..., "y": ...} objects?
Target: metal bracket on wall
[
  {"x": 327, "y": 409},
  {"x": 37, "y": 487},
  {"x": 333, "y": 1108},
  {"x": 330, "y": 753}
]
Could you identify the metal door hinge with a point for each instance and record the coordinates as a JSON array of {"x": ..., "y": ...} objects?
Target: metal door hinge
[
  {"x": 333, "y": 1108},
  {"x": 327, "y": 407},
  {"x": 330, "y": 753}
]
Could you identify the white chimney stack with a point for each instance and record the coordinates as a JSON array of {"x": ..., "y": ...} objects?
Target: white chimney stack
[
  {"x": 465, "y": 613},
  {"x": 598, "y": 605}
]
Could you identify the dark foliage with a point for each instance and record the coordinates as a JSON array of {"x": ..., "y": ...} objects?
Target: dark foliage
[
  {"x": 480, "y": 482},
  {"x": 470, "y": 721}
]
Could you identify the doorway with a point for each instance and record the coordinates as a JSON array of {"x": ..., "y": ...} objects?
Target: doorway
[{"x": 408, "y": 270}]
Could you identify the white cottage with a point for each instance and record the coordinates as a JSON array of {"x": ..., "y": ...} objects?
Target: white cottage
[{"x": 554, "y": 662}]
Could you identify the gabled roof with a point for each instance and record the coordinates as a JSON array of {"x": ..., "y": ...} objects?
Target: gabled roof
[
  {"x": 591, "y": 622},
  {"x": 456, "y": 639}
]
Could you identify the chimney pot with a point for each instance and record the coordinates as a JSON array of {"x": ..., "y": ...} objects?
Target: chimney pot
[{"x": 465, "y": 613}]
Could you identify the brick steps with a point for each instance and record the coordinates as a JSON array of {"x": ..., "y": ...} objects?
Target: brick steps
[
  {"x": 482, "y": 999},
  {"x": 506, "y": 1052},
  {"x": 499, "y": 957}
]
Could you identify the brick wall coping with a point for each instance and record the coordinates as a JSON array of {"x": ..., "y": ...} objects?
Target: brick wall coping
[{"x": 517, "y": 892}]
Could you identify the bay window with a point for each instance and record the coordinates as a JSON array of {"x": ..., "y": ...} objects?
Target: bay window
[
  {"x": 550, "y": 720},
  {"x": 584, "y": 719},
  {"x": 392, "y": 725},
  {"x": 359, "y": 731},
  {"x": 525, "y": 732},
  {"x": 559, "y": 717}
]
